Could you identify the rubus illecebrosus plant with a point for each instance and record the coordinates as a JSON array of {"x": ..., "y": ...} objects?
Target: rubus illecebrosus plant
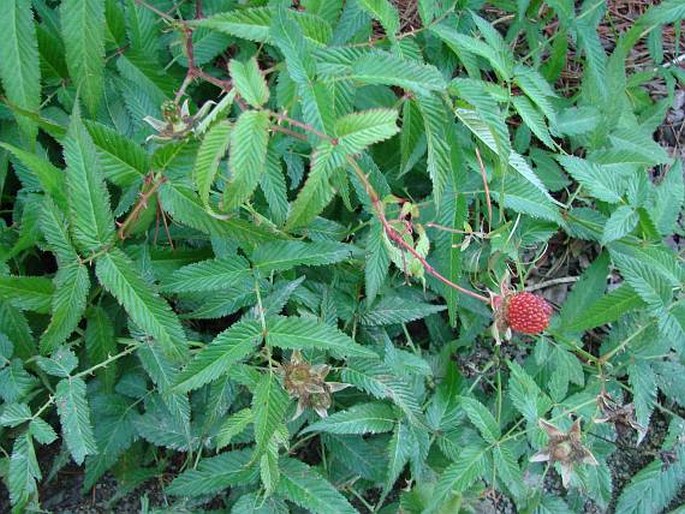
[{"x": 238, "y": 238}]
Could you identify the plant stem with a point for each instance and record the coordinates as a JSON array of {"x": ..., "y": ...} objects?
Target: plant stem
[
  {"x": 550, "y": 283},
  {"x": 304, "y": 126},
  {"x": 608, "y": 355},
  {"x": 108, "y": 361},
  {"x": 397, "y": 238},
  {"x": 140, "y": 205},
  {"x": 159, "y": 13}
]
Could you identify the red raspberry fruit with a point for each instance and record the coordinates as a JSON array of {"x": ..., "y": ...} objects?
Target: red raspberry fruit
[{"x": 526, "y": 313}]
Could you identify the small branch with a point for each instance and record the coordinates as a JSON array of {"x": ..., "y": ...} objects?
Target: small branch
[
  {"x": 107, "y": 361},
  {"x": 194, "y": 71},
  {"x": 603, "y": 359},
  {"x": 482, "y": 235},
  {"x": 140, "y": 205},
  {"x": 102, "y": 251},
  {"x": 550, "y": 283},
  {"x": 292, "y": 133},
  {"x": 304, "y": 126},
  {"x": 159, "y": 13},
  {"x": 673, "y": 62},
  {"x": 397, "y": 238},
  {"x": 226, "y": 85}
]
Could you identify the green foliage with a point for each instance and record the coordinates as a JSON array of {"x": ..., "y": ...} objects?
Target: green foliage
[
  {"x": 223, "y": 219},
  {"x": 19, "y": 65},
  {"x": 74, "y": 415},
  {"x": 84, "y": 41},
  {"x": 305, "y": 487}
]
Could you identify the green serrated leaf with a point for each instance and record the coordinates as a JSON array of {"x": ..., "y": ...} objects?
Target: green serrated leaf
[
  {"x": 586, "y": 291},
  {"x": 394, "y": 309},
  {"x": 114, "y": 434},
  {"x": 508, "y": 470},
  {"x": 400, "y": 449},
  {"x": 123, "y": 161},
  {"x": 27, "y": 293},
  {"x": 229, "y": 347},
  {"x": 317, "y": 191},
  {"x": 289, "y": 38},
  {"x": 481, "y": 417},
  {"x": 100, "y": 344},
  {"x": 284, "y": 255},
  {"x": 378, "y": 67},
  {"x": 23, "y": 471},
  {"x": 268, "y": 467},
  {"x": 60, "y": 364},
  {"x": 213, "y": 149},
  {"x": 255, "y": 504},
  {"x": 151, "y": 313},
  {"x": 210, "y": 275},
  {"x": 72, "y": 284},
  {"x": 303, "y": 486},
  {"x": 74, "y": 415},
  {"x": 249, "y": 82},
  {"x": 621, "y": 223},
  {"x": 162, "y": 428},
  {"x": 577, "y": 120},
  {"x": 19, "y": 64},
  {"x": 55, "y": 228},
  {"x": 51, "y": 178},
  {"x": 379, "y": 381},
  {"x": 251, "y": 24},
  {"x": 654, "y": 486},
  {"x": 362, "y": 418},
  {"x": 358, "y": 130},
  {"x": 362, "y": 457},
  {"x": 303, "y": 334},
  {"x": 233, "y": 426},
  {"x": 164, "y": 374},
  {"x": 385, "y": 13},
  {"x": 526, "y": 395},
  {"x": 274, "y": 187},
  {"x": 533, "y": 119},
  {"x": 15, "y": 382},
  {"x": 601, "y": 183},
  {"x": 377, "y": 261},
  {"x": 83, "y": 32},
  {"x": 269, "y": 404},
  {"x": 459, "y": 476},
  {"x": 644, "y": 388},
  {"x": 214, "y": 474},
  {"x": 42, "y": 431},
  {"x": 14, "y": 414},
  {"x": 186, "y": 208},
  {"x": 91, "y": 218},
  {"x": 247, "y": 161}
]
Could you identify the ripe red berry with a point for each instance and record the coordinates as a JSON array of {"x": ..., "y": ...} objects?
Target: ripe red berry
[{"x": 526, "y": 313}]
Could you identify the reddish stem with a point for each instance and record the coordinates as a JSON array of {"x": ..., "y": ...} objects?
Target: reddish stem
[
  {"x": 304, "y": 126},
  {"x": 397, "y": 238},
  {"x": 140, "y": 205}
]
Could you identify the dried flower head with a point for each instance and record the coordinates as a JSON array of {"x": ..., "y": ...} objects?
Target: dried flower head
[
  {"x": 308, "y": 384},
  {"x": 622, "y": 416},
  {"x": 565, "y": 448},
  {"x": 177, "y": 122}
]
